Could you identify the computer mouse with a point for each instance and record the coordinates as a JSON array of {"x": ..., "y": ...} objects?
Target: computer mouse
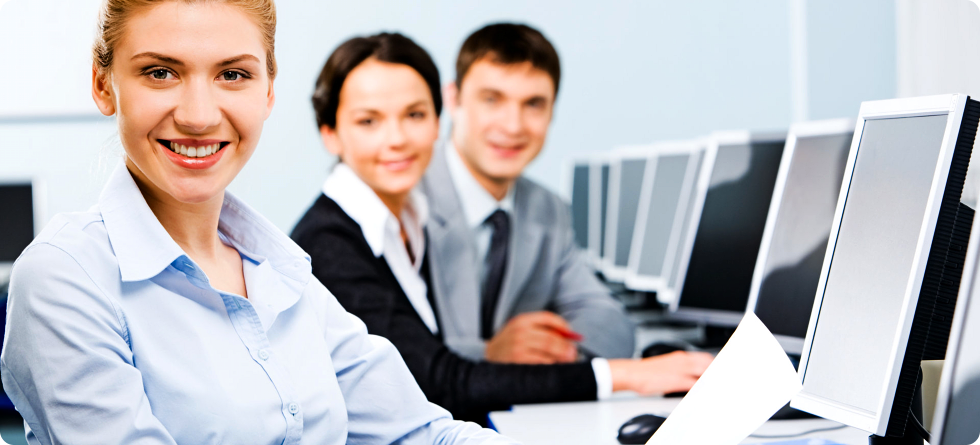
[
  {"x": 640, "y": 428},
  {"x": 660, "y": 349}
]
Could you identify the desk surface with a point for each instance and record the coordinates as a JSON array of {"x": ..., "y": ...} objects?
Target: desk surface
[{"x": 596, "y": 423}]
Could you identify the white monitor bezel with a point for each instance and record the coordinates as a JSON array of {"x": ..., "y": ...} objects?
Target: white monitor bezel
[
  {"x": 595, "y": 202},
  {"x": 714, "y": 142},
  {"x": 951, "y": 105},
  {"x": 658, "y": 283},
  {"x": 608, "y": 266},
  {"x": 830, "y": 127}
]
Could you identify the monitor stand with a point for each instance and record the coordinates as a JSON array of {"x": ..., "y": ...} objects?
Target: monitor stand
[{"x": 911, "y": 434}]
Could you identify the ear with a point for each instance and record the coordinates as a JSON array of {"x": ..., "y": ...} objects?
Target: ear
[
  {"x": 272, "y": 99},
  {"x": 330, "y": 140},
  {"x": 102, "y": 92},
  {"x": 449, "y": 97}
]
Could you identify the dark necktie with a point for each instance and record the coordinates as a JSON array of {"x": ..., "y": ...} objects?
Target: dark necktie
[{"x": 496, "y": 263}]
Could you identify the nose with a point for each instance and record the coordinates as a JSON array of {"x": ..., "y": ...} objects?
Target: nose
[
  {"x": 396, "y": 134},
  {"x": 511, "y": 120},
  {"x": 198, "y": 110}
]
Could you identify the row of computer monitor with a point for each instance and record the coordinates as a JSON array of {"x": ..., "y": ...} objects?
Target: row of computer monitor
[
  {"x": 847, "y": 238},
  {"x": 718, "y": 225}
]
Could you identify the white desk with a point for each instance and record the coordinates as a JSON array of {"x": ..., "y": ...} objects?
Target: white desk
[{"x": 597, "y": 423}]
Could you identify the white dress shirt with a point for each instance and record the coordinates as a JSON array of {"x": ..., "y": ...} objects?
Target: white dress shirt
[
  {"x": 382, "y": 231},
  {"x": 115, "y": 335},
  {"x": 478, "y": 204}
]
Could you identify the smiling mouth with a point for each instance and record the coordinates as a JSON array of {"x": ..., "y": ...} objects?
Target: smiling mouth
[{"x": 201, "y": 151}]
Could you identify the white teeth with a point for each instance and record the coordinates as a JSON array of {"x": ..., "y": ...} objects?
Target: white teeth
[
  {"x": 183, "y": 149},
  {"x": 173, "y": 147},
  {"x": 209, "y": 150},
  {"x": 192, "y": 152}
]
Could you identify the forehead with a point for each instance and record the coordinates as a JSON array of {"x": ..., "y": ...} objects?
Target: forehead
[
  {"x": 516, "y": 79},
  {"x": 201, "y": 32},
  {"x": 376, "y": 84}
]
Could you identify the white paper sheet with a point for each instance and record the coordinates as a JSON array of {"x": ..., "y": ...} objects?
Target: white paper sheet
[{"x": 749, "y": 380}]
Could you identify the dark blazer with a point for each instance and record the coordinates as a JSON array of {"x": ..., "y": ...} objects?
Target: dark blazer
[{"x": 366, "y": 287}]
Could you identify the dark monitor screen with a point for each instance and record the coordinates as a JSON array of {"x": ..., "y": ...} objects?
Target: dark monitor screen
[
  {"x": 802, "y": 224},
  {"x": 16, "y": 220},
  {"x": 863, "y": 302},
  {"x": 630, "y": 182},
  {"x": 729, "y": 231},
  {"x": 580, "y": 204}
]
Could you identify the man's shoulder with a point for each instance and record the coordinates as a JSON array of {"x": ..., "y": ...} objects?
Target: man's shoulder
[{"x": 538, "y": 201}]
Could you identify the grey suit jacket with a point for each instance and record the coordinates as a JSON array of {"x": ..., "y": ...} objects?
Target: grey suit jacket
[{"x": 545, "y": 270}]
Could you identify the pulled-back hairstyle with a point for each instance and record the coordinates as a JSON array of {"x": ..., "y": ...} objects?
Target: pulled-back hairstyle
[
  {"x": 508, "y": 43},
  {"x": 385, "y": 47},
  {"x": 115, "y": 13}
]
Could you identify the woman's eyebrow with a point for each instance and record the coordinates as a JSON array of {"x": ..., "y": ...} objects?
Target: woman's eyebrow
[
  {"x": 158, "y": 56},
  {"x": 240, "y": 58}
]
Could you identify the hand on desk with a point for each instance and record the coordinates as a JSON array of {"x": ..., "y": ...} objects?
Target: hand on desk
[
  {"x": 534, "y": 338},
  {"x": 662, "y": 374}
]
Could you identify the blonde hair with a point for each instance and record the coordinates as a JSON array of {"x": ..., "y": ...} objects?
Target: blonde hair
[{"x": 115, "y": 13}]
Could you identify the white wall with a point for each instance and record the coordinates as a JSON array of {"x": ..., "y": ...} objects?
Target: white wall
[
  {"x": 633, "y": 72},
  {"x": 939, "y": 53}
]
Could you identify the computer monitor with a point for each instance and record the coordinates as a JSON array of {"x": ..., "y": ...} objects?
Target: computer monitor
[
  {"x": 891, "y": 270},
  {"x": 721, "y": 244},
  {"x": 598, "y": 203},
  {"x": 668, "y": 187},
  {"x": 18, "y": 221},
  {"x": 795, "y": 238},
  {"x": 958, "y": 400},
  {"x": 579, "y": 197},
  {"x": 627, "y": 166}
]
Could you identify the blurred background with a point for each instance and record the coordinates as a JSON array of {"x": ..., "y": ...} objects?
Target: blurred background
[{"x": 633, "y": 72}]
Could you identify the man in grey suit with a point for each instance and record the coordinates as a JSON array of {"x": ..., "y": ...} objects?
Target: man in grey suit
[{"x": 509, "y": 282}]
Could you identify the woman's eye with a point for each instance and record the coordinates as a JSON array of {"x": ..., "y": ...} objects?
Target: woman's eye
[
  {"x": 160, "y": 74},
  {"x": 417, "y": 115},
  {"x": 231, "y": 76},
  {"x": 365, "y": 122}
]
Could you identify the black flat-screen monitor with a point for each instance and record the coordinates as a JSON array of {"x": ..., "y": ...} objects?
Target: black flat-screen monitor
[
  {"x": 958, "y": 400},
  {"x": 733, "y": 197},
  {"x": 893, "y": 263},
  {"x": 795, "y": 239},
  {"x": 16, "y": 219}
]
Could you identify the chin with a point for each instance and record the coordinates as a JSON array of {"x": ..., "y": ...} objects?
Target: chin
[{"x": 195, "y": 191}]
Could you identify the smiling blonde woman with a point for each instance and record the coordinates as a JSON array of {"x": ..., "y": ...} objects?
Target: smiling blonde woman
[{"x": 173, "y": 313}]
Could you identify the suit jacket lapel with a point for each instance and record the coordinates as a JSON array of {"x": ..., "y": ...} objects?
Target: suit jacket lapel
[
  {"x": 525, "y": 242},
  {"x": 453, "y": 264}
]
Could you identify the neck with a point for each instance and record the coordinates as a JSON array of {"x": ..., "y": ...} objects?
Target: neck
[
  {"x": 194, "y": 227},
  {"x": 494, "y": 186},
  {"x": 395, "y": 203}
]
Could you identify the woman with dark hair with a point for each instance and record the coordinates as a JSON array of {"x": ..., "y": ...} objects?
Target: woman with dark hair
[{"x": 377, "y": 102}]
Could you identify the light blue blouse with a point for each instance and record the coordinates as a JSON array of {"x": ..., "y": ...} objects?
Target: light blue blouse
[{"x": 115, "y": 336}]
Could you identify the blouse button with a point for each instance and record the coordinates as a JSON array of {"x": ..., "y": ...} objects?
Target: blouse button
[
  {"x": 293, "y": 408},
  {"x": 263, "y": 354}
]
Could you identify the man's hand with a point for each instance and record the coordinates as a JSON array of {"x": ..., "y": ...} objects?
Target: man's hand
[
  {"x": 534, "y": 338},
  {"x": 663, "y": 374}
]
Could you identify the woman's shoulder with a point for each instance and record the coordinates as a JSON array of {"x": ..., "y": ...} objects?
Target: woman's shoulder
[
  {"x": 80, "y": 236},
  {"x": 325, "y": 220}
]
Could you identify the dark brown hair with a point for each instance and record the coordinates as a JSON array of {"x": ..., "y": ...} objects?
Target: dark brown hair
[
  {"x": 385, "y": 47},
  {"x": 508, "y": 43}
]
